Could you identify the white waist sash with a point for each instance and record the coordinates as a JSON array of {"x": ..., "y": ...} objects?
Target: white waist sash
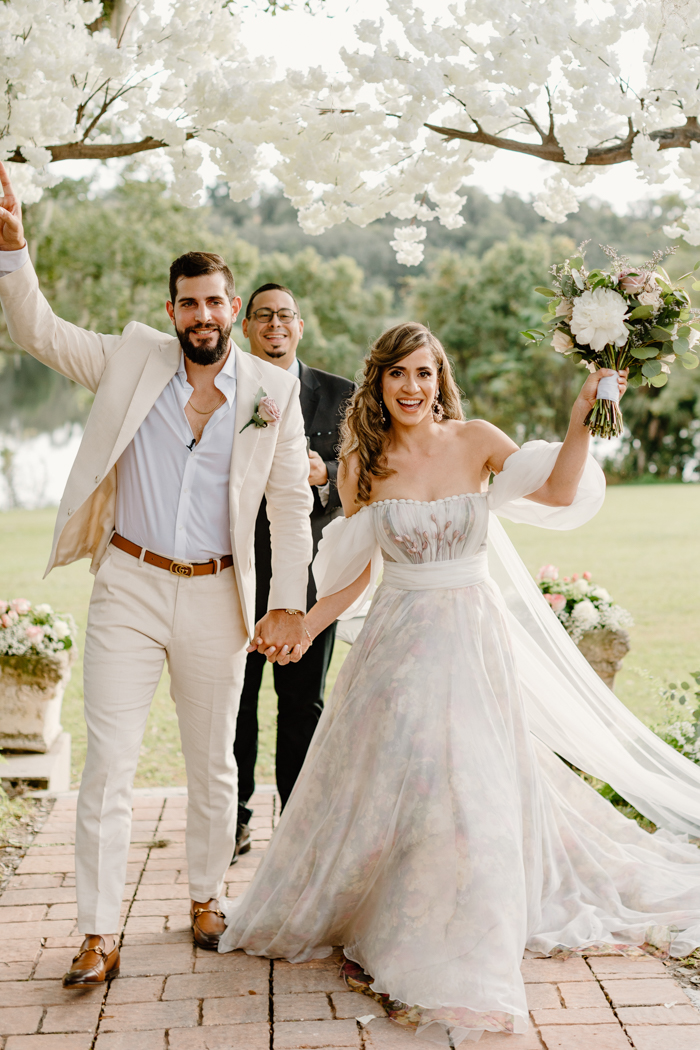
[{"x": 437, "y": 575}]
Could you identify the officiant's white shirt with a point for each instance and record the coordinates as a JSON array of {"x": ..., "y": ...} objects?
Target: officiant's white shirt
[{"x": 173, "y": 499}]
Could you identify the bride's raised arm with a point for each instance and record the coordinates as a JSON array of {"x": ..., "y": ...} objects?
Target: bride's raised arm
[{"x": 562, "y": 484}]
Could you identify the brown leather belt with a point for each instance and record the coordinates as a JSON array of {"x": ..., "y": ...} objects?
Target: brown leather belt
[{"x": 178, "y": 568}]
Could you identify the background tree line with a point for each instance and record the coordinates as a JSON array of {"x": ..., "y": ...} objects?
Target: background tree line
[{"x": 103, "y": 260}]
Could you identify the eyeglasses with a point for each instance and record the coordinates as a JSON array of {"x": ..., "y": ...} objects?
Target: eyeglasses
[{"x": 264, "y": 315}]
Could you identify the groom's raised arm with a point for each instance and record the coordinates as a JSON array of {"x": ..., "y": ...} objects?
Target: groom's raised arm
[{"x": 75, "y": 352}]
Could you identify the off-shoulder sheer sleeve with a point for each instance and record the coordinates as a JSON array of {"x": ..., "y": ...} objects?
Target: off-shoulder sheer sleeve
[
  {"x": 347, "y": 546},
  {"x": 525, "y": 471}
]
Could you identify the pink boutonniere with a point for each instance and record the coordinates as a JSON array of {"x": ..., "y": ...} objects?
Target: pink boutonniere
[{"x": 265, "y": 411}]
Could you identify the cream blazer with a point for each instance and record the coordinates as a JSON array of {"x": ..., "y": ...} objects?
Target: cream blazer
[{"x": 127, "y": 373}]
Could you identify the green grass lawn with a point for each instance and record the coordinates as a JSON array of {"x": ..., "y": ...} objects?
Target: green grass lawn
[{"x": 644, "y": 546}]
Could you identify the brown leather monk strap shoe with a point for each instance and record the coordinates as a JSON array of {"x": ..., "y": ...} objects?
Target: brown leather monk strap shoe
[
  {"x": 207, "y": 924},
  {"x": 92, "y": 964}
]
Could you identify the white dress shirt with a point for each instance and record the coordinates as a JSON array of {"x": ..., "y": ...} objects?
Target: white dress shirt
[
  {"x": 172, "y": 495},
  {"x": 11, "y": 261}
]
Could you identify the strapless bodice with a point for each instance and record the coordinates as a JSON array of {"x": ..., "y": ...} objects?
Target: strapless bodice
[{"x": 415, "y": 532}]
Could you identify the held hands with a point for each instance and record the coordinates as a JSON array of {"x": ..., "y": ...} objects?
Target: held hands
[
  {"x": 11, "y": 229},
  {"x": 587, "y": 395},
  {"x": 318, "y": 471},
  {"x": 281, "y": 637}
]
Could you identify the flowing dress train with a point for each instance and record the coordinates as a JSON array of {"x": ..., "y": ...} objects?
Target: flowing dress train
[{"x": 433, "y": 832}]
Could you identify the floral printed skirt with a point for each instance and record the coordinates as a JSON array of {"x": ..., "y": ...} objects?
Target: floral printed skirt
[{"x": 435, "y": 839}]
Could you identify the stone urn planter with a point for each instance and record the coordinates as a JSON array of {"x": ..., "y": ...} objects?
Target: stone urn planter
[
  {"x": 605, "y": 651},
  {"x": 31, "y": 695}
]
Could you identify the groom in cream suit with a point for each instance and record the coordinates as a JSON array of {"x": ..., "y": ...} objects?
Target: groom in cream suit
[{"x": 185, "y": 437}]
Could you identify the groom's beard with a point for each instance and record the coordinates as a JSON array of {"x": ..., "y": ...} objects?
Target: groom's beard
[{"x": 204, "y": 355}]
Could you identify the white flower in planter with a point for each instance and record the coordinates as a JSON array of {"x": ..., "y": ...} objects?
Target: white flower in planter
[
  {"x": 586, "y": 615},
  {"x": 61, "y": 629}
]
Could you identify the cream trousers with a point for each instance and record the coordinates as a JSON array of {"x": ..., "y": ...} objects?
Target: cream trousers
[{"x": 139, "y": 616}]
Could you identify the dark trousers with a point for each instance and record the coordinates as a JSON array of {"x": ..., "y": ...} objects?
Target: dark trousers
[{"x": 299, "y": 689}]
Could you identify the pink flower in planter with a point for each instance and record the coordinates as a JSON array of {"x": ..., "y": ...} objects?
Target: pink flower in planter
[
  {"x": 4, "y": 606},
  {"x": 7, "y": 619},
  {"x": 548, "y": 572},
  {"x": 557, "y": 602},
  {"x": 34, "y": 633},
  {"x": 21, "y": 606},
  {"x": 587, "y": 575}
]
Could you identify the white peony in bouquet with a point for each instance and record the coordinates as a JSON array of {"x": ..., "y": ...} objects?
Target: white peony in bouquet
[
  {"x": 580, "y": 604},
  {"x": 624, "y": 317},
  {"x": 33, "y": 630}
]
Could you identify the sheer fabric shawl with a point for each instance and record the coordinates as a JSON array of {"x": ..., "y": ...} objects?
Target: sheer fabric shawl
[{"x": 568, "y": 706}]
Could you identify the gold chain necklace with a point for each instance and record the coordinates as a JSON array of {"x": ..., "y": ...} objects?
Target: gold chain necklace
[{"x": 211, "y": 410}]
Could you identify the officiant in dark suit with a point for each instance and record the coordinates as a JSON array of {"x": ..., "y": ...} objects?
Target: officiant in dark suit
[{"x": 274, "y": 327}]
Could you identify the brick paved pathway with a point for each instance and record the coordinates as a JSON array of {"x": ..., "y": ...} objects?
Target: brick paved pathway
[{"x": 171, "y": 996}]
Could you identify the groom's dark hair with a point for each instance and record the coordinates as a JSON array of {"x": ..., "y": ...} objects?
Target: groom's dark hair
[{"x": 197, "y": 264}]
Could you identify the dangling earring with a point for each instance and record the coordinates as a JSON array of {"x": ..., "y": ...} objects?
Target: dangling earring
[
  {"x": 381, "y": 408},
  {"x": 438, "y": 410}
]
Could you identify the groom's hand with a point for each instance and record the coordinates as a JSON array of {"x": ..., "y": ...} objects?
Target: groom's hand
[
  {"x": 279, "y": 634},
  {"x": 11, "y": 229}
]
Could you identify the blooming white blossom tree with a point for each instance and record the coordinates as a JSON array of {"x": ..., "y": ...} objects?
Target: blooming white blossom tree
[{"x": 420, "y": 101}]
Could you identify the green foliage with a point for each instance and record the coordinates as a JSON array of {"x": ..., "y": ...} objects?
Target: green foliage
[
  {"x": 662, "y": 430},
  {"x": 103, "y": 262},
  {"x": 271, "y": 224},
  {"x": 478, "y": 309},
  {"x": 14, "y": 812},
  {"x": 682, "y": 727}
]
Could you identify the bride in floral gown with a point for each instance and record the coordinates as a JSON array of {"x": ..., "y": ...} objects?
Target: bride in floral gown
[{"x": 434, "y": 832}]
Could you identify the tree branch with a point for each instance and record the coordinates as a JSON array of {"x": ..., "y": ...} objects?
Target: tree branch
[
  {"x": 94, "y": 151},
  {"x": 668, "y": 138},
  {"x": 549, "y": 149}
]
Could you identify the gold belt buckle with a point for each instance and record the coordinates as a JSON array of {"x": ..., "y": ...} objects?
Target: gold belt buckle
[{"x": 182, "y": 568}]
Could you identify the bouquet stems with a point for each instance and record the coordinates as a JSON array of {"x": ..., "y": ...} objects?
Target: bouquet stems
[{"x": 605, "y": 418}]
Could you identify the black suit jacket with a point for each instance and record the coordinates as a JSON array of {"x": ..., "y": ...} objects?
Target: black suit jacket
[{"x": 323, "y": 399}]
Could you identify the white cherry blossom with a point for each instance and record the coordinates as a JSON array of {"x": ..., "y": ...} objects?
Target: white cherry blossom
[{"x": 423, "y": 97}]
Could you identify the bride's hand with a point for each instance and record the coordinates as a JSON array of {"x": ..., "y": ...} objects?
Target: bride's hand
[
  {"x": 296, "y": 654},
  {"x": 589, "y": 391}
]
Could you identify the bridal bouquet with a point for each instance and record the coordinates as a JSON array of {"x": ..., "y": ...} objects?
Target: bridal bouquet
[
  {"x": 580, "y": 604},
  {"x": 623, "y": 317},
  {"x": 33, "y": 630}
]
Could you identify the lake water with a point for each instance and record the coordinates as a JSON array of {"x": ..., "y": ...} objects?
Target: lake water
[{"x": 34, "y": 470}]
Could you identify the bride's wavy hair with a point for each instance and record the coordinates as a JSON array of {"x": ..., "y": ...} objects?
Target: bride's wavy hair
[{"x": 366, "y": 426}]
